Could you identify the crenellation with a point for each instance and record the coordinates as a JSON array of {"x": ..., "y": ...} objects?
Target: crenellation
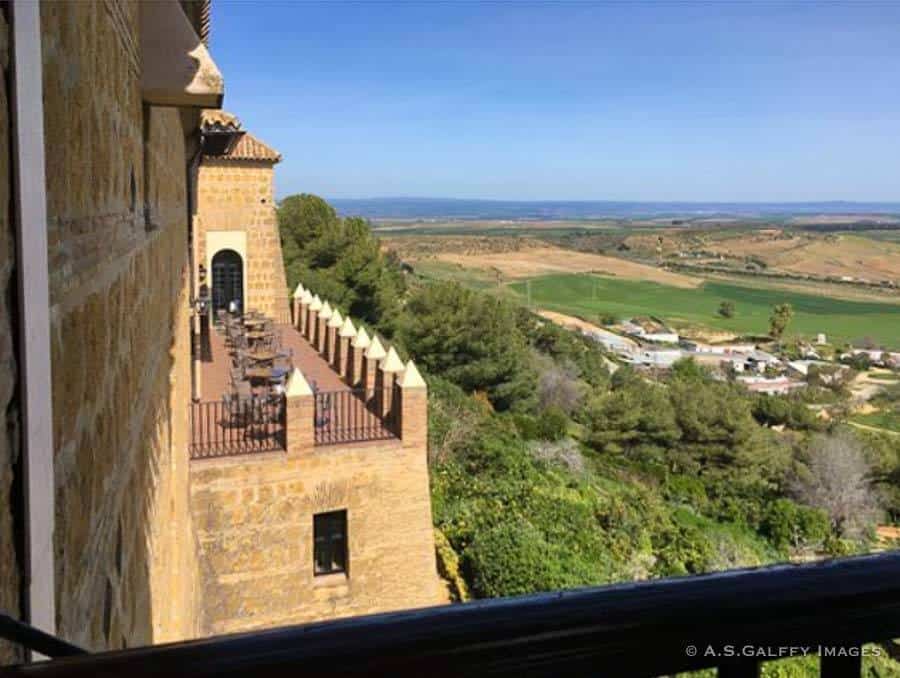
[{"x": 255, "y": 514}]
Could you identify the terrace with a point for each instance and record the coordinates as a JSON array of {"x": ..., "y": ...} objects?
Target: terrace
[{"x": 247, "y": 364}]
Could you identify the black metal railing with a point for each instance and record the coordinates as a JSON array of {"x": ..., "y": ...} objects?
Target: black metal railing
[
  {"x": 732, "y": 620},
  {"x": 356, "y": 415},
  {"x": 223, "y": 428},
  {"x": 35, "y": 640}
]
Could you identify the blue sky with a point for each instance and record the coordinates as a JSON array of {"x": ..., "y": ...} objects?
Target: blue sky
[{"x": 752, "y": 101}]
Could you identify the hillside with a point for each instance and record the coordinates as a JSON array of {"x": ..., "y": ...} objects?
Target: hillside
[
  {"x": 548, "y": 472},
  {"x": 821, "y": 255}
]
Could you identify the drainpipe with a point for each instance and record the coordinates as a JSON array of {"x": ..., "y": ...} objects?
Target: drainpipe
[
  {"x": 196, "y": 345},
  {"x": 30, "y": 214}
]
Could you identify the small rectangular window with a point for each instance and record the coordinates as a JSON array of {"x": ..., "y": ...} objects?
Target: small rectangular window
[{"x": 330, "y": 542}]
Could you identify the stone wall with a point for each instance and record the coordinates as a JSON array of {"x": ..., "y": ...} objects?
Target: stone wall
[
  {"x": 117, "y": 211},
  {"x": 9, "y": 444},
  {"x": 254, "y": 516},
  {"x": 239, "y": 196}
]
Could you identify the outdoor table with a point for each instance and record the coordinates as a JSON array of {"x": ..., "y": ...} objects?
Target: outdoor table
[
  {"x": 262, "y": 356},
  {"x": 254, "y": 322},
  {"x": 258, "y": 373},
  {"x": 257, "y": 335}
]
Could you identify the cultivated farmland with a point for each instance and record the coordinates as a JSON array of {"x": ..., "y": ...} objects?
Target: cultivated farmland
[
  {"x": 533, "y": 258},
  {"x": 592, "y": 297}
]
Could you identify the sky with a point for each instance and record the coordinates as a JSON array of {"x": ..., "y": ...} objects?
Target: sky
[{"x": 665, "y": 100}]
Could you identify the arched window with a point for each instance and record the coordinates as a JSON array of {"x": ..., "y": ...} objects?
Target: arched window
[{"x": 227, "y": 280}]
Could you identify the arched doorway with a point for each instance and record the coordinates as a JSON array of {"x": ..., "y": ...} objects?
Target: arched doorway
[{"x": 227, "y": 280}]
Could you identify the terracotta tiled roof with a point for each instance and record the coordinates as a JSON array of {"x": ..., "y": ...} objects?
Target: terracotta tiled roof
[
  {"x": 219, "y": 121},
  {"x": 249, "y": 147}
]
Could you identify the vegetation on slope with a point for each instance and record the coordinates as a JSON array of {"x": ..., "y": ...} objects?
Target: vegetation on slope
[{"x": 548, "y": 472}]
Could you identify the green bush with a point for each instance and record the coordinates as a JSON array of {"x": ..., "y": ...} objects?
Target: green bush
[
  {"x": 513, "y": 559},
  {"x": 449, "y": 567},
  {"x": 789, "y": 525},
  {"x": 690, "y": 490},
  {"x": 552, "y": 424}
]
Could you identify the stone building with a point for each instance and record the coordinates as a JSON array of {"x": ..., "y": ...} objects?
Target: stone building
[
  {"x": 117, "y": 209},
  {"x": 96, "y": 542},
  {"x": 235, "y": 230},
  {"x": 257, "y": 514}
]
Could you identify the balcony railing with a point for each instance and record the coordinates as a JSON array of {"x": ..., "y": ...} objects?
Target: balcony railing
[
  {"x": 643, "y": 629},
  {"x": 356, "y": 415},
  {"x": 222, "y": 429}
]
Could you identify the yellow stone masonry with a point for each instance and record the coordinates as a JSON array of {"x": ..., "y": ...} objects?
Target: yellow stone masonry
[
  {"x": 236, "y": 200},
  {"x": 254, "y": 515},
  {"x": 126, "y": 571}
]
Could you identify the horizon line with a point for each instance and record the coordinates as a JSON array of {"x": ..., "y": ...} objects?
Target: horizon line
[{"x": 629, "y": 201}]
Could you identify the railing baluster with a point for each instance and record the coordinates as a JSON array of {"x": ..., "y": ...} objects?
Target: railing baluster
[
  {"x": 354, "y": 415},
  {"x": 241, "y": 427}
]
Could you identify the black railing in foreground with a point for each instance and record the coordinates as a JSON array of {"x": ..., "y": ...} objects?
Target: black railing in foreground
[
  {"x": 221, "y": 429},
  {"x": 356, "y": 415},
  {"x": 643, "y": 629},
  {"x": 32, "y": 638}
]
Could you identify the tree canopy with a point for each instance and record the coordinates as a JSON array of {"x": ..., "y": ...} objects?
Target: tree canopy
[
  {"x": 340, "y": 259},
  {"x": 472, "y": 339},
  {"x": 781, "y": 317}
]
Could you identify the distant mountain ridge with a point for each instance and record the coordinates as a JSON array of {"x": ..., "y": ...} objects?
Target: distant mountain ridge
[{"x": 459, "y": 208}]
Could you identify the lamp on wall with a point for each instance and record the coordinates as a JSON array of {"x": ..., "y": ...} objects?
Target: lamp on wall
[{"x": 201, "y": 303}]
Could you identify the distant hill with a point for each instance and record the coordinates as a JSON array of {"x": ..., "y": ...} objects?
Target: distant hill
[{"x": 443, "y": 208}]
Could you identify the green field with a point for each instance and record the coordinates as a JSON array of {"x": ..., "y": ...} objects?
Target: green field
[
  {"x": 886, "y": 419},
  {"x": 590, "y": 297}
]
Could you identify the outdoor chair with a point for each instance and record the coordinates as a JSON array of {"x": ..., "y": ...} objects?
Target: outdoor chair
[
  {"x": 236, "y": 412},
  {"x": 243, "y": 391},
  {"x": 322, "y": 406},
  {"x": 237, "y": 375}
]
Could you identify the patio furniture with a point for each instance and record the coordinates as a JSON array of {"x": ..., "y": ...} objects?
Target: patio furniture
[
  {"x": 258, "y": 374},
  {"x": 237, "y": 375},
  {"x": 256, "y": 335},
  {"x": 243, "y": 391},
  {"x": 262, "y": 358},
  {"x": 236, "y": 412}
]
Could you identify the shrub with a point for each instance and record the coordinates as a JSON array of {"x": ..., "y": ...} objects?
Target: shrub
[
  {"x": 448, "y": 567},
  {"x": 513, "y": 559},
  {"x": 564, "y": 453},
  {"x": 688, "y": 490},
  {"x": 788, "y": 525},
  {"x": 609, "y": 319},
  {"x": 552, "y": 424}
]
